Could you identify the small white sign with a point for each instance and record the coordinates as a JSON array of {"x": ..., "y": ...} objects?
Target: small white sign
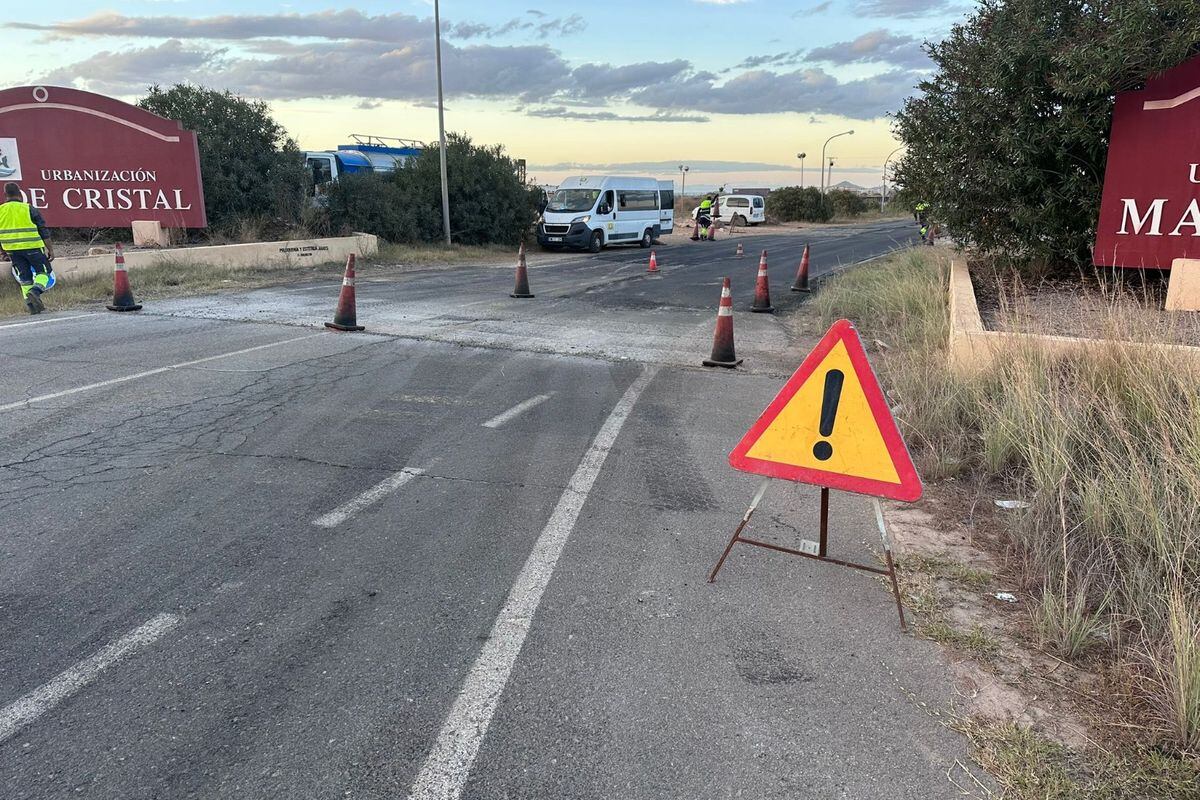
[
  {"x": 810, "y": 547},
  {"x": 10, "y": 160}
]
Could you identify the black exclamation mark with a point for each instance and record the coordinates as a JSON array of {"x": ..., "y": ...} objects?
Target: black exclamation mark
[{"x": 829, "y": 405}]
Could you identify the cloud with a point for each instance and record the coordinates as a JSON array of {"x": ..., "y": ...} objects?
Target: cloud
[
  {"x": 874, "y": 46},
  {"x": 784, "y": 59},
  {"x": 348, "y": 24},
  {"x": 721, "y": 2},
  {"x": 371, "y": 70},
  {"x": 906, "y": 9},
  {"x": 819, "y": 8},
  {"x": 803, "y": 90},
  {"x": 605, "y": 80},
  {"x": 561, "y": 112}
]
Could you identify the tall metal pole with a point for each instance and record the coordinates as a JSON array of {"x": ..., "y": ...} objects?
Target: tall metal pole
[
  {"x": 801, "y": 156},
  {"x": 683, "y": 170},
  {"x": 883, "y": 190},
  {"x": 827, "y": 141},
  {"x": 437, "y": 24}
]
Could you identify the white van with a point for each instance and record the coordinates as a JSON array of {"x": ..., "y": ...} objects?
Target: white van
[
  {"x": 744, "y": 209},
  {"x": 594, "y": 211}
]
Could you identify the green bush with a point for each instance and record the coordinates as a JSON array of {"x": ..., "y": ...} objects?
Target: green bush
[
  {"x": 488, "y": 204},
  {"x": 796, "y": 204},
  {"x": 253, "y": 172},
  {"x": 845, "y": 203}
]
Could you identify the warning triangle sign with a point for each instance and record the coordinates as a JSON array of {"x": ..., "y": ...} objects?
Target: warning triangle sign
[{"x": 830, "y": 426}]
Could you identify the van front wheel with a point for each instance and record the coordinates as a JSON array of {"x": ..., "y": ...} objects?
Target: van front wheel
[
  {"x": 647, "y": 238},
  {"x": 596, "y": 243}
]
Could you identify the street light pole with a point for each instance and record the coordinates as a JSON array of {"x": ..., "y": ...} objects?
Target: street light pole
[
  {"x": 801, "y": 157},
  {"x": 437, "y": 24},
  {"x": 827, "y": 141},
  {"x": 883, "y": 190},
  {"x": 683, "y": 170}
]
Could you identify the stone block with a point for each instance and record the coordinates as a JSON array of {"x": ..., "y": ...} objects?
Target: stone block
[
  {"x": 1183, "y": 287},
  {"x": 150, "y": 233}
]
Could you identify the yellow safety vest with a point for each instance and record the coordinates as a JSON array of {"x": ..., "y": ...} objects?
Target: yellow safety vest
[{"x": 17, "y": 231}]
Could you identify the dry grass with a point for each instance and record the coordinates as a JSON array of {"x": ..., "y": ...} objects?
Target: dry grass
[
  {"x": 1106, "y": 449},
  {"x": 1031, "y": 767}
]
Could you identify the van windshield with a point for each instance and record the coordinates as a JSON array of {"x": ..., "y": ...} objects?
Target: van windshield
[{"x": 570, "y": 200}]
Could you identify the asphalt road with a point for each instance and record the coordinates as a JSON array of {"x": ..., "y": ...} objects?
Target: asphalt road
[{"x": 459, "y": 555}]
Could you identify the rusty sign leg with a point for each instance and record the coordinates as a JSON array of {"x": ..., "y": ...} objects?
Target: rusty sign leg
[{"x": 758, "y": 496}]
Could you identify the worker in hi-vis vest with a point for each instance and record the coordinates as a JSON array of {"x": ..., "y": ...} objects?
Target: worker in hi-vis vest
[{"x": 25, "y": 241}]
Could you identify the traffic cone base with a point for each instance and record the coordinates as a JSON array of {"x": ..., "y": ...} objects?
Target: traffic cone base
[
  {"x": 122, "y": 294},
  {"x": 345, "y": 318},
  {"x": 521, "y": 290},
  {"x": 336, "y": 326}
]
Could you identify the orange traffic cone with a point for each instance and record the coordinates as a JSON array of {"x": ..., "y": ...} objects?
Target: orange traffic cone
[
  {"x": 122, "y": 294},
  {"x": 722, "y": 349},
  {"x": 522, "y": 287},
  {"x": 740, "y": 252},
  {"x": 762, "y": 291},
  {"x": 653, "y": 268},
  {"x": 346, "y": 318},
  {"x": 801, "y": 284}
]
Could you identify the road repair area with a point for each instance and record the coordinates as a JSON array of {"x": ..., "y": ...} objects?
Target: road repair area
[{"x": 460, "y": 554}]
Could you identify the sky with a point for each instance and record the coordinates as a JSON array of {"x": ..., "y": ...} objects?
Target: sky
[{"x": 733, "y": 89}]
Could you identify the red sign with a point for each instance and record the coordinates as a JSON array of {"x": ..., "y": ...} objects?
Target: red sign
[
  {"x": 1150, "y": 211},
  {"x": 89, "y": 161}
]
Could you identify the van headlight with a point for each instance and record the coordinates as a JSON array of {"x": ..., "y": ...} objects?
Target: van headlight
[{"x": 584, "y": 218}]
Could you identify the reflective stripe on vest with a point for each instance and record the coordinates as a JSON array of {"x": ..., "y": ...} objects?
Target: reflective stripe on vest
[{"x": 17, "y": 231}]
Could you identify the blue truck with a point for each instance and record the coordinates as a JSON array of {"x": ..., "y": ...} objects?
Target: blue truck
[{"x": 364, "y": 154}]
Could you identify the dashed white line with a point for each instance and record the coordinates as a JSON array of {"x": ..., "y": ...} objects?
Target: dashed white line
[
  {"x": 367, "y": 498},
  {"x": 449, "y": 763},
  {"x": 517, "y": 410},
  {"x": 126, "y": 378},
  {"x": 45, "y": 321},
  {"x": 33, "y": 705}
]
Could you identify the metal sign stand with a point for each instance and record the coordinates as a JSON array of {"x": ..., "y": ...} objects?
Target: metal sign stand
[{"x": 818, "y": 551}]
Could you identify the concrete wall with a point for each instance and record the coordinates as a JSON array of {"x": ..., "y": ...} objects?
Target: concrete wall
[
  {"x": 972, "y": 347},
  {"x": 236, "y": 256}
]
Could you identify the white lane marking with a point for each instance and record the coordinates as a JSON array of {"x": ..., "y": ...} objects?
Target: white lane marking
[
  {"x": 517, "y": 410},
  {"x": 369, "y": 497},
  {"x": 33, "y": 705},
  {"x": 450, "y": 761},
  {"x": 46, "y": 321},
  {"x": 126, "y": 378}
]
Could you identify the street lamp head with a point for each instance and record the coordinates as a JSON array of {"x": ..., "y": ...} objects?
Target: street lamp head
[
  {"x": 801, "y": 155},
  {"x": 851, "y": 132}
]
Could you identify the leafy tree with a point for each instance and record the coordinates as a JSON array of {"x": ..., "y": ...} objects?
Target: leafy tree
[
  {"x": 251, "y": 167},
  {"x": 488, "y": 204},
  {"x": 1008, "y": 139}
]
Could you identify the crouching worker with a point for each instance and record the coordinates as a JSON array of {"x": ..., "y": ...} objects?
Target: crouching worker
[{"x": 25, "y": 241}]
